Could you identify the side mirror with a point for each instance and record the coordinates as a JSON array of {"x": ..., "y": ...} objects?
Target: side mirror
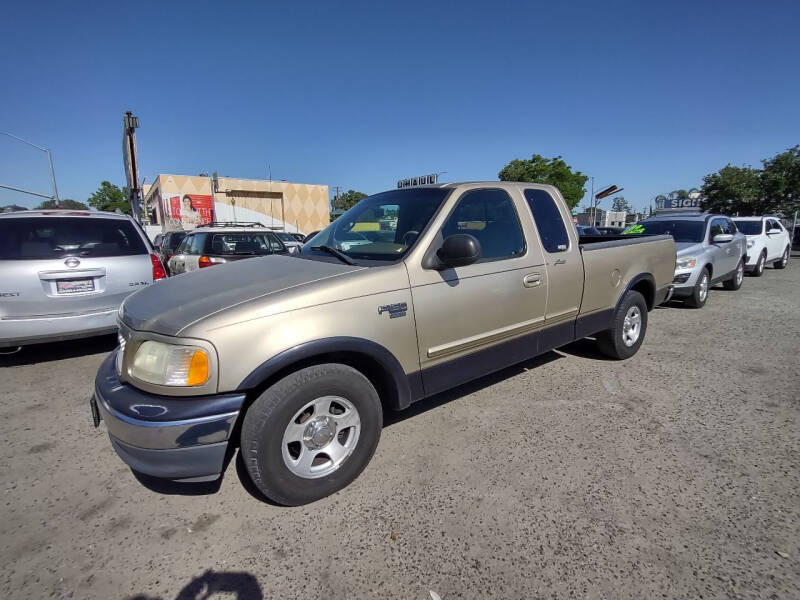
[
  {"x": 722, "y": 238},
  {"x": 459, "y": 250}
]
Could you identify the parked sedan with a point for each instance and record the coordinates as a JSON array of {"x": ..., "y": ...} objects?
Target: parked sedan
[
  {"x": 710, "y": 250},
  {"x": 209, "y": 246},
  {"x": 63, "y": 273},
  {"x": 767, "y": 242}
]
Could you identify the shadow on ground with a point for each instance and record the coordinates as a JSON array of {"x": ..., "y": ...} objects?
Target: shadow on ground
[
  {"x": 230, "y": 585},
  {"x": 40, "y": 353}
]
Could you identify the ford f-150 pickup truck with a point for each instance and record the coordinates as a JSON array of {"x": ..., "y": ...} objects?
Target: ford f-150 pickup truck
[{"x": 412, "y": 291}]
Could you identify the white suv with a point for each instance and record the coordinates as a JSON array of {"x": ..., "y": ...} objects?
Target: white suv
[{"x": 767, "y": 242}]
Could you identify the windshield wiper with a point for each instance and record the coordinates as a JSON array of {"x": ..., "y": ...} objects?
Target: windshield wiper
[{"x": 337, "y": 253}]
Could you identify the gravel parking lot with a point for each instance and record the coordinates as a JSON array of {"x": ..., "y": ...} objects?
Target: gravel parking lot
[{"x": 674, "y": 474}]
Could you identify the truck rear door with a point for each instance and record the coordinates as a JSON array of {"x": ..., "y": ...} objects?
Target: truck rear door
[{"x": 562, "y": 255}]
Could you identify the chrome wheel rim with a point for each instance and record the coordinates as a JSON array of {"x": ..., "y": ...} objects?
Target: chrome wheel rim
[
  {"x": 761, "y": 263},
  {"x": 740, "y": 274},
  {"x": 703, "y": 288},
  {"x": 320, "y": 437},
  {"x": 785, "y": 258},
  {"x": 632, "y": 326}
]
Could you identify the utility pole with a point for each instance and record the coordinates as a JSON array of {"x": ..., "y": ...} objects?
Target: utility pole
[
  {"x": 336, "y": 190},
  {"x": 49, "y": 159}
]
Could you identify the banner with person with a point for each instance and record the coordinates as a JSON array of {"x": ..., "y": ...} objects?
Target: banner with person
[{"x": 191, "y": 210}]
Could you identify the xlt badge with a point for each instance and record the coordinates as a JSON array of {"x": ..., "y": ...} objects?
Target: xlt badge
[{"x": 395, "y": 310}]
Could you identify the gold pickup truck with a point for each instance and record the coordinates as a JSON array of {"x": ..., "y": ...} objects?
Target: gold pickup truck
[{"x": 413, "y": 291}]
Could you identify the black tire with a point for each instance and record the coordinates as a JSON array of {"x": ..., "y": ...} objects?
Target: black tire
[
  {"x": 697, "y": 300},
  {"x": 735, "y": 282},
  {"x": 270, "y": 415},
  {"x": 784, "y": 261},
  {"x": 758, "y": 270},
  {"x": 612, "y": 342}
]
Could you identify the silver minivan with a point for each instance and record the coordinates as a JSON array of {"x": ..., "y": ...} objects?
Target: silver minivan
[{"x": 64, "y": 273}]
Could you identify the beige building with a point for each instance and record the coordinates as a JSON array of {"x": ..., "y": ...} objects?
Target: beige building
[{"x": 185, "y": 201}]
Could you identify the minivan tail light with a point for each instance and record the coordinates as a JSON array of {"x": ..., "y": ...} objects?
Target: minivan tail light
[
  {"x": 209, "y": 261},
  {"x": 158, "y": 268}
]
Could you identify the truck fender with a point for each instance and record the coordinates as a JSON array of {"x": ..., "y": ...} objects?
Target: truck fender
[
  {"x": 645, "y": 284},
  {"x": 377, "y": 363}
]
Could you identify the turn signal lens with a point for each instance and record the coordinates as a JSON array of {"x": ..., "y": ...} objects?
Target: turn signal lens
[
  {"x": 198, "y": 369},
  {"x": 208, "y": 261}
]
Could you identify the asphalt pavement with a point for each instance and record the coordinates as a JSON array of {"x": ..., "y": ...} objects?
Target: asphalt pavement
[{"x": 675, "y": 474}]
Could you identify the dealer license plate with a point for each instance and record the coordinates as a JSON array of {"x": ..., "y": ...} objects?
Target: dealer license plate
[{"x": 74, "y": 286}]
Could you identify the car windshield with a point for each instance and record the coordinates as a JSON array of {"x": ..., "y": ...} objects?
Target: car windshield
[
  {"x": 682, "y": 230},
  {"x": 32, "y": 238},
  {"x": 380, "y": 227},
  {"x": 749, "y": 227}
]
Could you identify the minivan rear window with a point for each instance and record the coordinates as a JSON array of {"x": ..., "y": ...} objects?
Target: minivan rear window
[{"x": 40, "y": 238}]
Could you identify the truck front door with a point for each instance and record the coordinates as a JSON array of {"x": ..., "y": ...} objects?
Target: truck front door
[{"x": 461, "y": 313}]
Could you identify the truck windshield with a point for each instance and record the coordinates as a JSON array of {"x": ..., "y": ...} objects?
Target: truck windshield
[
  {"x": 380, "y": 227},
  {"x": 749, "y": 227},
  {"x": 681, "y": 230}
]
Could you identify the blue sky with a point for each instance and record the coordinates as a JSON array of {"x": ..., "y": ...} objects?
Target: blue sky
[{"x": 648, "y": 96}]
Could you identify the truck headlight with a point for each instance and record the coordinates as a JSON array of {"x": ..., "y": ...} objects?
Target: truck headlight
[
  {"x": 685, "y": 262},
  {"x": 751, "y": 243},
  {"x": 170, "y": 364}
]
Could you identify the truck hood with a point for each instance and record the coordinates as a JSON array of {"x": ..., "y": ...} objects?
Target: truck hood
[
  {"x": 687, "y": 248},
  {"x": 171, "y": 305}
]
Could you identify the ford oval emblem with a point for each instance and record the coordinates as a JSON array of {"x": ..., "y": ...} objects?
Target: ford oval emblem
[{"x": 72, "y": 262}]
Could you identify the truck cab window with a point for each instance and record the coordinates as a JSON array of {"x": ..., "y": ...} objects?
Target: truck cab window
[
  {"x": 490, "y": 217},
  {"x": 548, "y": 220}
]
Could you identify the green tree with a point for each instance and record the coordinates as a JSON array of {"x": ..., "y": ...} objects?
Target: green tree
[
  {"x": 62, "y": 203},
  {"x": 747, "y": 191},
  {"x": 553, "y": 171},
  {"x": 780, "y": 182},
  {"x": 109, "y": 197},
  {"x": 619, "y": 204},
  {"x": 733, "y": 190},
  {"x": 348, "y": 200}
]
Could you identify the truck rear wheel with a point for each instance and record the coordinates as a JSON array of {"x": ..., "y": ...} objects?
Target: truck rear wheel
[
  {"x": 627, "y": 332},
  {"x": 311, "y": 433}
]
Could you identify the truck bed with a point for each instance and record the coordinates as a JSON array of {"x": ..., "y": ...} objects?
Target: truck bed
[{"x": 611, "y": 262}]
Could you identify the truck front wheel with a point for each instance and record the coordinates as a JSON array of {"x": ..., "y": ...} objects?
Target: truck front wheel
[
  {"x": 625, "y": 336},
  {"x": 311, "y": 433}
]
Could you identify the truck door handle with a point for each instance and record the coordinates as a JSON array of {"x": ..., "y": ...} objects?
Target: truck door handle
[
  {"x": 560, "y": 261},
  {"x": 532, "y": 280}
]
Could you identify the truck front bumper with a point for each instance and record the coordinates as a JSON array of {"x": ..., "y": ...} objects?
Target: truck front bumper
[{"x": 180, "y": 438}]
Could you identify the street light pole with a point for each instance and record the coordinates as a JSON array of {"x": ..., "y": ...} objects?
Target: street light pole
[{"x": 49, "y": 158}]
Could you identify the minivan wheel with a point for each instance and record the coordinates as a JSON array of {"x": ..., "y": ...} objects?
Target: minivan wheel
[
  {"x": 311, "y": 433},
  {"x": 781, "y": 264},
  {"x": 735, "y": 282},
  {"x": 758, "y": 271},
  {"x": 700, "y": 292},
  {"x": 626, "y": 334}
]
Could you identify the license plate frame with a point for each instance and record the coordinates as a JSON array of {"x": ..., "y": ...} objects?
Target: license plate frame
[
  {"x": 67, "y": 287},
  {"x": 95, "y": 412}
]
